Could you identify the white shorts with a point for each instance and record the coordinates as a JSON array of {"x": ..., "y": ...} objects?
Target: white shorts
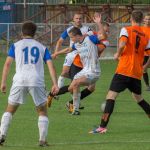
[
  {"x": 90, "y": 76},
  {"x": 69, "y": 58},
  {"x": 18, "y": 95}
]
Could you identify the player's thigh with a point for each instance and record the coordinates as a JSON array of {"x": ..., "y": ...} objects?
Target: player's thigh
[
  {"x": 87, "y": 78},
  {"x": 69, "y": 59},
  {"x": 12, "y": 108},
  {"x": 135, "y": 86},
  {"x": 112, "y": 95},
  {"x": 38, "y": 95},
  {"x": 17, "y": 95},
  {"x": 137, "y": 97},
  {"x": 73, "y": 71},
  {"x": 119, "y": 83},
  {"x": 65, "y": 71}
]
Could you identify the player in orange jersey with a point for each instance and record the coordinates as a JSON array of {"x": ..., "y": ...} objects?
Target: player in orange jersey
[
  {"x": 130, "y": 54},
  {"x": 146, "y": 30}
]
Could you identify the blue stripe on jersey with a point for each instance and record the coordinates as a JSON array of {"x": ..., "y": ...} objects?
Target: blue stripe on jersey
[
  {"x": 11, "y": 51},
  {"x": 64, "y": 35},
  {"x": 73, "y": 47},
  {"x": 94, "y": 39},
  {"x": 47, "y": 55}
]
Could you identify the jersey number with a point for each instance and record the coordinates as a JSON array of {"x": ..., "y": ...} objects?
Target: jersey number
[
  {"x": 34, "y": 52},
  {"x": 137, "y": 44}
]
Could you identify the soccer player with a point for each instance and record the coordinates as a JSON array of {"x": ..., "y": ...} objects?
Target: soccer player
[
  {"x": 130, "y": 54},
  {"x": 77, "y": 22},
  {"x": 146, "y": 30},
  {"x": 87, "y": 50},
  {"x": 75, "y": 68},
  {"x": 29, "y": 56}
]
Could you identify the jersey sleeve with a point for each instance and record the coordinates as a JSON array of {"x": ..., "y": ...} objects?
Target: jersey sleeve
[
  {"x": 11, "y": 51},
  {"x": 47, "y": 55},
  {"x": 123, "y": 35},
  {"x": 94, "y": 39},
  {"x": 64, "y": 35}
]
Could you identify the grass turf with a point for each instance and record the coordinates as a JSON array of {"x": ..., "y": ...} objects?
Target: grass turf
[{"x": 128, "y": 128}]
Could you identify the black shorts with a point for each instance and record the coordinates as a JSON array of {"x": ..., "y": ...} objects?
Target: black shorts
[
  {"x": 120, "y": 82},
  {"x": 145, "y": 59},
  {"x": 73, "y": 71}
]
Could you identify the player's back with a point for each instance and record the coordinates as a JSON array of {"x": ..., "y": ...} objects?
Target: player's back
[
  {"x": 29, "y": 57},
  {"x": 131, "y": 60},
  {"x": 88, "y": 53}
]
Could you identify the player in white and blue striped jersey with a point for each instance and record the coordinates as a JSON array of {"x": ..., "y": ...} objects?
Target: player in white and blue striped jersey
[{"x": 30, "y": 56}]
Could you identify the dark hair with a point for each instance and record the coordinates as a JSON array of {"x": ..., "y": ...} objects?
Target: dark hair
[
  {"x": 137, "y": 16},
  {"x": 75, "y": 31},
  {"x": 29, "y": 28}
]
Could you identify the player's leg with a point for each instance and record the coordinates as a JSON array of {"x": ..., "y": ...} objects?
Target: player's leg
[
  {"x": 74, "y": 89},
  {"x": 17, "y": 96},
  {"x": 39, "y": 97},
  {"x": 6, "y": 120},
  {"x": 86, "y": 92},
  {"x": 64, "y": 74},
  {"x": 142, "y": 103},
  {"x": 80, "y": 79},
  {"x": 118, "y": 84},
  {"x": 66, "y": 67},
  {"x": 136, "y": 90},
  {"x": 72, "y": 72}
]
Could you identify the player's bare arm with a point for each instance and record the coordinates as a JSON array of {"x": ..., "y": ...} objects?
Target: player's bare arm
[
  {"x": 97, "y": 18},
  {"x": 121, "y": 46},
  {"x": 63, "y": 51},
  {"x": 59, "y": 44},
  {"x": 6, "y": 69},
  {"x": 53, "y": 75}
]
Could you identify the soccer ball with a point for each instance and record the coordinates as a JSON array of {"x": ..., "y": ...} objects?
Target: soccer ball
[{"x": 103, "y": 106}]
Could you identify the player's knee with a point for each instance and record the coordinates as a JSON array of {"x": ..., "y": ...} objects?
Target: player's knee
[
  {"x": 42, "y": 109},
  {"x": 111, "y": 95},
  {"x": 137, "y": 97}
]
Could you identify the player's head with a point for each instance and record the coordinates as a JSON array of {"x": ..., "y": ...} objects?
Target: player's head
[
  {"x": 77, "y": 19},
  {"x": 147, "y": 19},
  {"x": 75, "y": 34},
  {"x": 137, "y": 16},
  {"x": 29, "y": 29}
]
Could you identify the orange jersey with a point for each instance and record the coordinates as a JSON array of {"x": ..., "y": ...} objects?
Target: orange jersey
[
  {"x": 131, "y": 60},
  {"x": 77, "y": 61},
  {"x": 146, "y": 30}
]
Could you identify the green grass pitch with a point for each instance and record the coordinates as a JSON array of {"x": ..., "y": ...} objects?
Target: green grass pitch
[{"x": 129, "y": 127}]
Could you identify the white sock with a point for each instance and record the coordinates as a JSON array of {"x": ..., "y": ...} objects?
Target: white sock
[
  {"x": 5, "y": 121},
  {"x": 61, "y": 80},
  {"x": 76, "y": 101},
  {"x": 43, "y": 127}
]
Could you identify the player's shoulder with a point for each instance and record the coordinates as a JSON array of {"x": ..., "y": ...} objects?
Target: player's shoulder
[
  {"x": 30, "y": 42},
  {"x": 69, "y": 28},
  {"x": 85, "y": 27}
]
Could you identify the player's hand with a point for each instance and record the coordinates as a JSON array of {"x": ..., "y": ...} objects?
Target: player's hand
[
  {"x": 3, "y": 88},
  {"x": 55, "y": 89},
  {"x": 97, "y": 18},
  {"x": 54, "y": 56},
  {"x": 116, "y": 56}
]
